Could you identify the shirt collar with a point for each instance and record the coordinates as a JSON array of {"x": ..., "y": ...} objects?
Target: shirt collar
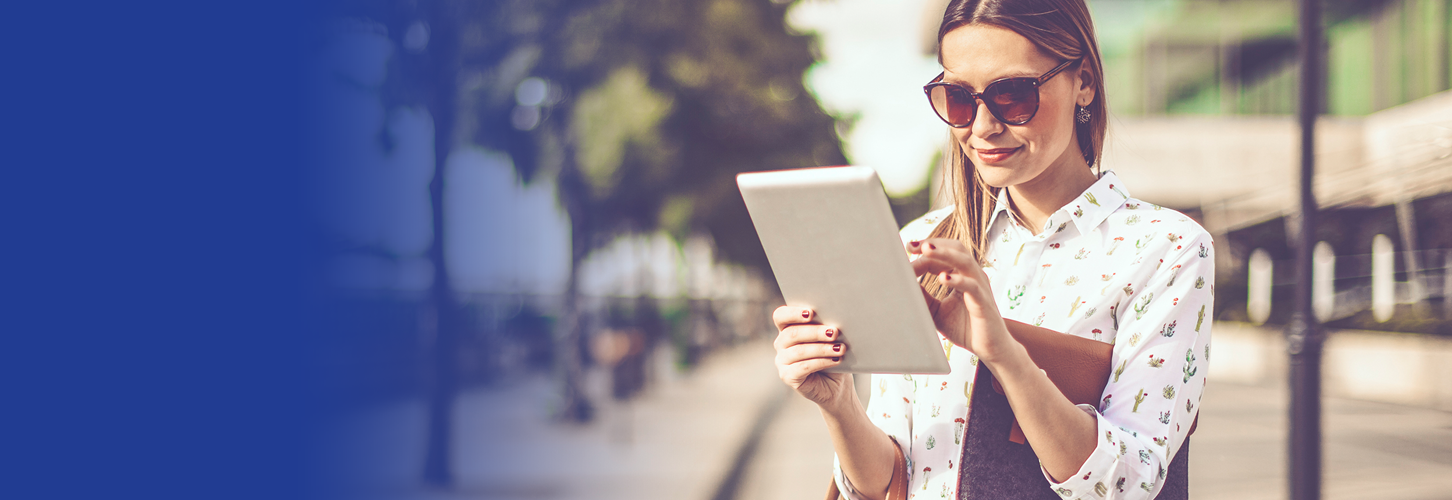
[
  {"x": 1101, "y": 199},
  {"x": 1086, "y": 211}
]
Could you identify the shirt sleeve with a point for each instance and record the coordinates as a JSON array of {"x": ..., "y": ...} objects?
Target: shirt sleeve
[
  {"x": 1161, "y": 351},
  {"x": 890, "y": 408}
]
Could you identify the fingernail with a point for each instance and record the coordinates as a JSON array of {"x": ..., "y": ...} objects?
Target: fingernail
[
  {"x": 836, "y": 359},
  {"x": 914, "y": 243},
  {"x": 931, "y": 247},
  {"x": 830, "y": 333},
  {"x": 836, "y": 347},
  {"x": 944, "y": 276},
  {"x": 806, "y": 313}
]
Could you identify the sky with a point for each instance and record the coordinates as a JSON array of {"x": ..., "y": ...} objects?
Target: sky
[{"x": 874, "y": 67}]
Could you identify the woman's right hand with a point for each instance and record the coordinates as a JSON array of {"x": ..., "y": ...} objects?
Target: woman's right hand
[{"x": 803, "y": 349}]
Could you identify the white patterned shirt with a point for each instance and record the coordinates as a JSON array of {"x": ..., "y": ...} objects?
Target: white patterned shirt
[{"x": 1106, "y": 267}]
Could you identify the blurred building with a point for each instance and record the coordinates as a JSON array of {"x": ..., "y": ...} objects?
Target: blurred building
[
  {"x": 1238, "y": 57},
  {"x": 1204, "y": 93}
]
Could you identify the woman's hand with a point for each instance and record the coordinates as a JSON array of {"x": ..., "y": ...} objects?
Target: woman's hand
[
  {"x": 969, "y": 316},
  {"x": 803, "y": 349},
  {"x": 1061, "y": 434}
]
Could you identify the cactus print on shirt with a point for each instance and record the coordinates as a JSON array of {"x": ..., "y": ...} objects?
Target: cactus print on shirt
[{"x": 1106, "y": 267}]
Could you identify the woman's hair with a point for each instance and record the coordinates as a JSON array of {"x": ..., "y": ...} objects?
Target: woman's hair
[{"x": 1061, "y": 28}]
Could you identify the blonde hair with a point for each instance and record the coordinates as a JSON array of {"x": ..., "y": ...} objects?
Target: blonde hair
[{"x": 1059, "y": 27}]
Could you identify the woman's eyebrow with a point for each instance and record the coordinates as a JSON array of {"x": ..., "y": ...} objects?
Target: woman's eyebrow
[{"x": 1013, "y": 74}]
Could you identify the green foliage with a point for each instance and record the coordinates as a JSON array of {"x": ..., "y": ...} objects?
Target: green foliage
[
  {"x": 675, "y": 216},
  {"x": 620, "y": 113},
  {"x": 670, "y": 101},
  {"x": 649, "y": 101}
]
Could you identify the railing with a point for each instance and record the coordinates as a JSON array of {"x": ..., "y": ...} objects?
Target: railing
[{"x": 1353, "y": 284}]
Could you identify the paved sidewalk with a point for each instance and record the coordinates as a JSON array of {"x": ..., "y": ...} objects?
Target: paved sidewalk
[
  {"x": 794, "y": 461},
  {"x": 678, "y": 440},
  {"x": 1372, "y": 450},
  {"x": 682, "y": 438}
]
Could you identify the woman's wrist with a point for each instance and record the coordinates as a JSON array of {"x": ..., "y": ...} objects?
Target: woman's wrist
[
  {"x": 845, "y": 403},
  {"x": 993, "y": 344},
  {"x": 1008, "y": 358},
  {"x": 864, "y": 450}
]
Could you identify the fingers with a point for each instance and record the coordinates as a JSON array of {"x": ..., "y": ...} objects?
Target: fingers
[
  {"x": 785, "y": 316},
  {"x": 964, "y": 284},
  {"x": 942, "y": 254},
  {"x": 931, "y": 265},
  {"x": 950, "y": 275},
  {"x": 814, "y": 350},
  {"x": 913, "y": 247},
  {"x": 800, "y": 334},
  {"x": 936, "y": 264},
  {"x": 803, "y": 359},
  {"x": 935, "y": 245},
  {"x": 795, "y": 373},
  {"x": 947, "y": 249}
]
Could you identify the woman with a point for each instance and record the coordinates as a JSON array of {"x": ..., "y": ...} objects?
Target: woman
[{"x": 1036, "y": 242}]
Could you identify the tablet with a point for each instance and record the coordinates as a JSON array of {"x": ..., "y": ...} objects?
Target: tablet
[{"x": 833, "y": 245}]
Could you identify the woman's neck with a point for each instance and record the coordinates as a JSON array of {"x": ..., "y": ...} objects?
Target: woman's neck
[{"x": 1036, "y": 199}]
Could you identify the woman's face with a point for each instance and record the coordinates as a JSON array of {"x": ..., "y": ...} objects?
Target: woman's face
[{"x": 1008, "y": 155}]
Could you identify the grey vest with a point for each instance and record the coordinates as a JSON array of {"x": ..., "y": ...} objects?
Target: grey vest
[{"x": 992, "y": 467}]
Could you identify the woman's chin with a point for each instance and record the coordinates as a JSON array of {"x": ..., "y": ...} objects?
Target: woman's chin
[{"x": 997, "y": 176}]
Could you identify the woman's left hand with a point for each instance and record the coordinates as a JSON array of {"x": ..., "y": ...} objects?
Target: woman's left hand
[{"x": 969, "y": 316}]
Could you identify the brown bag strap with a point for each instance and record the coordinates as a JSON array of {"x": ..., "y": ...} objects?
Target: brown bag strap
[
  {"x": 1079, "y": 367},
  {"x": 896, "y": 487}
]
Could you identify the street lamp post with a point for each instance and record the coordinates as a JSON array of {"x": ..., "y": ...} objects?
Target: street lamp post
[{"x": 1303, "y": 339}]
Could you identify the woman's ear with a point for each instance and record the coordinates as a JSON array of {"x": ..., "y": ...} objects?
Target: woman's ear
[{"x": 1087, "y": 79}]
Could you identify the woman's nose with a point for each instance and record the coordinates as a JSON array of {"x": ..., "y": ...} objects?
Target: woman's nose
[{"x": 984, "y": 123}]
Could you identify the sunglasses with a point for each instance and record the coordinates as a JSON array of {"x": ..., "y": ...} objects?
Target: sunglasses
[{"x": 1011, "y": 100}]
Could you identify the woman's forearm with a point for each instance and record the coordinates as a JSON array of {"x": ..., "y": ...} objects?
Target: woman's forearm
[
  {"x": 864, "y": 450},
  {"x": 1062, "y": 435}
]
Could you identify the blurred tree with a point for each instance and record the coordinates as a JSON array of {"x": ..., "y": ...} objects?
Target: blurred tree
[
  {"x": 425, "y": 74},
  {"x": 642, "y": 110},
  {"x": 661, "y": 103}
]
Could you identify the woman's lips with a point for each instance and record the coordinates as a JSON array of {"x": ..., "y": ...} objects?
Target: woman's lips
[{"x": 996, "y": 155}]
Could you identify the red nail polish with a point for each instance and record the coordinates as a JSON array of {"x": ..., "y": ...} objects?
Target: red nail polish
[
  {"x": 806, "y": 314},
  {"x": 914, "y": 243},
  {"x": 830, "y": 333},
  {"x": 931, "y": 247},
  {"x": 836, "y": 347},
  {"x": 836, "y": 359}
]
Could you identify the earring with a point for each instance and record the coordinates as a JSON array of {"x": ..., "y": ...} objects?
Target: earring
[{"x": 1082, "y": 115}]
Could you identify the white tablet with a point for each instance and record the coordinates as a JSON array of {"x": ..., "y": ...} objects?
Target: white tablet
[{"x": 833, "y": 245}]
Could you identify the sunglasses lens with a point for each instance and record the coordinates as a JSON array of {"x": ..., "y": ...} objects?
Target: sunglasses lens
[
  {"x": 1013, "y": 101},
  {"x": 952, "y": 105}
]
